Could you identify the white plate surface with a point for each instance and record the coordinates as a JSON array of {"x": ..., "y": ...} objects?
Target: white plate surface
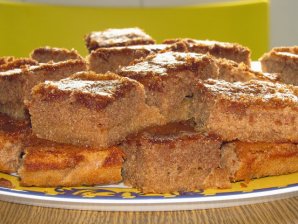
[{"x": 120, "y": 198}]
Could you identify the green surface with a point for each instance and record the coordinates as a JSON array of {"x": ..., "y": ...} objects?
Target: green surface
[{"x": 27, "y": 26}]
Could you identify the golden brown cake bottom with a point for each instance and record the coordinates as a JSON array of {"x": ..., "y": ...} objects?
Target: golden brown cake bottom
[
  {"x": 65, "y": 165},
  {"x": 245, "y": 161}
]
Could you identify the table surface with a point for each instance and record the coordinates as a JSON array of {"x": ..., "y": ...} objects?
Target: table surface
[{"x": 280, "y": 211}]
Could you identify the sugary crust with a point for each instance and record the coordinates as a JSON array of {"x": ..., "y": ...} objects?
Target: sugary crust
[
  {"x": 246, "y": 161},
  {"x": 284, "y": 56},
  {"x": 117, "y": 37},
  {"x": 157, "y": 67},
  {"x": 14, "y": 63},
  {"x": 6, "y": 59},
  {"x": 48, "y": 54},
  {"x": 110, "y": 59},
  {"x": 46, "y": 68},
  {"x": 232, "y": 72},
  {"x": 124, "y": 50},
  {"x": 232, "y": 51},
  {"x": 52, "y": 67},
  {"x": 285, "y": 53},
  {"x": 282, "y": 60},
  {"x": 94, "y": 91},
  {"x": 254, "y": 92}
]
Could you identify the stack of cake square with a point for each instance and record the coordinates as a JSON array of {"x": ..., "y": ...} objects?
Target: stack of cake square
[
  {"x": 100, "y": 113},
  {"x": 258, "y": 122},
  {"x": 40, "y": 162},
  {"x": 45, "y": 163},
  {"x": 180, "y": 116},
  {"x": 16, "y": 84}
]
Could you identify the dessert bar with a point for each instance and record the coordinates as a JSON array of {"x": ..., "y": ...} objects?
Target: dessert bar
[
  {"x": 9, "y": 63},
  {"x": 54, "y": 54},
  {"x": 254, "y": 111},
  {"x": 117, "y": 37},
  {"x": 231, "y": 71},
  {"x": 110, "y": 59},
  {"x": 231, "y": 51},
  {"x": 173, "y": 158},
  {"x": 16, "y": 84},
  {"x": 282, "y": 60},
  {"x": 90, "y": 109},
  {"x": 169, "y": 79}
]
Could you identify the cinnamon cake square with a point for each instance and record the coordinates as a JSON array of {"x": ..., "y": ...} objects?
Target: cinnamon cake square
[
  {"x": 48, "y": 164},
  {"x": 247, "y": 160},
  {"x": 282, "y": 60},
  {"x": 16, "y": 84},
  {"x": 231, "y": 71},
  {"x": 111, "y": 59},
  {"x": 173, "y": 158},
  {"x": 117, "y": 37},
  {"x": 169, "y": 79},
  {"x": 231, "y": 51},
  {"x": 254, "y": 111},
  {"x": 6, "y": 59},
  {"x": 9, "y": 63},
  {"x": 54, "y": 54},
  {"x": 90, "y": 109}
]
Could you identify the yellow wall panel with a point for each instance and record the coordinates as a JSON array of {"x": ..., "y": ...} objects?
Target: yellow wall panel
[{"x": 26, "y": 26}]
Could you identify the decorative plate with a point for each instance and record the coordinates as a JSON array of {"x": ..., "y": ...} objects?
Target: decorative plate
[{"x": 121, "y": 198}]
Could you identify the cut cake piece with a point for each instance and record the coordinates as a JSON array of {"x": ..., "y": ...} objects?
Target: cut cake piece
[
  {"x": 6, "y": 59},
  {"x": 12, "y": 134},
  {"x": 16, "y": 84},
  {"x": 90, "y": 109},
  {"x": 245, "y": 161},
  {"x": 51, "y": 165},
  {"x": 254, "y": 111},
  {"x": 173, "y": 158},
  {"x": 9, "y": 63},
  {"x": 231, "y": 71},
  {"x": 54, "y": 54},
  {"x": 110, "y": 59},
  {"x": 231, "y": 51},
  {"x": 282, "y": 60},
  {"x": 117, "y": 37},
  {"x": 169, "y": 79}
]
